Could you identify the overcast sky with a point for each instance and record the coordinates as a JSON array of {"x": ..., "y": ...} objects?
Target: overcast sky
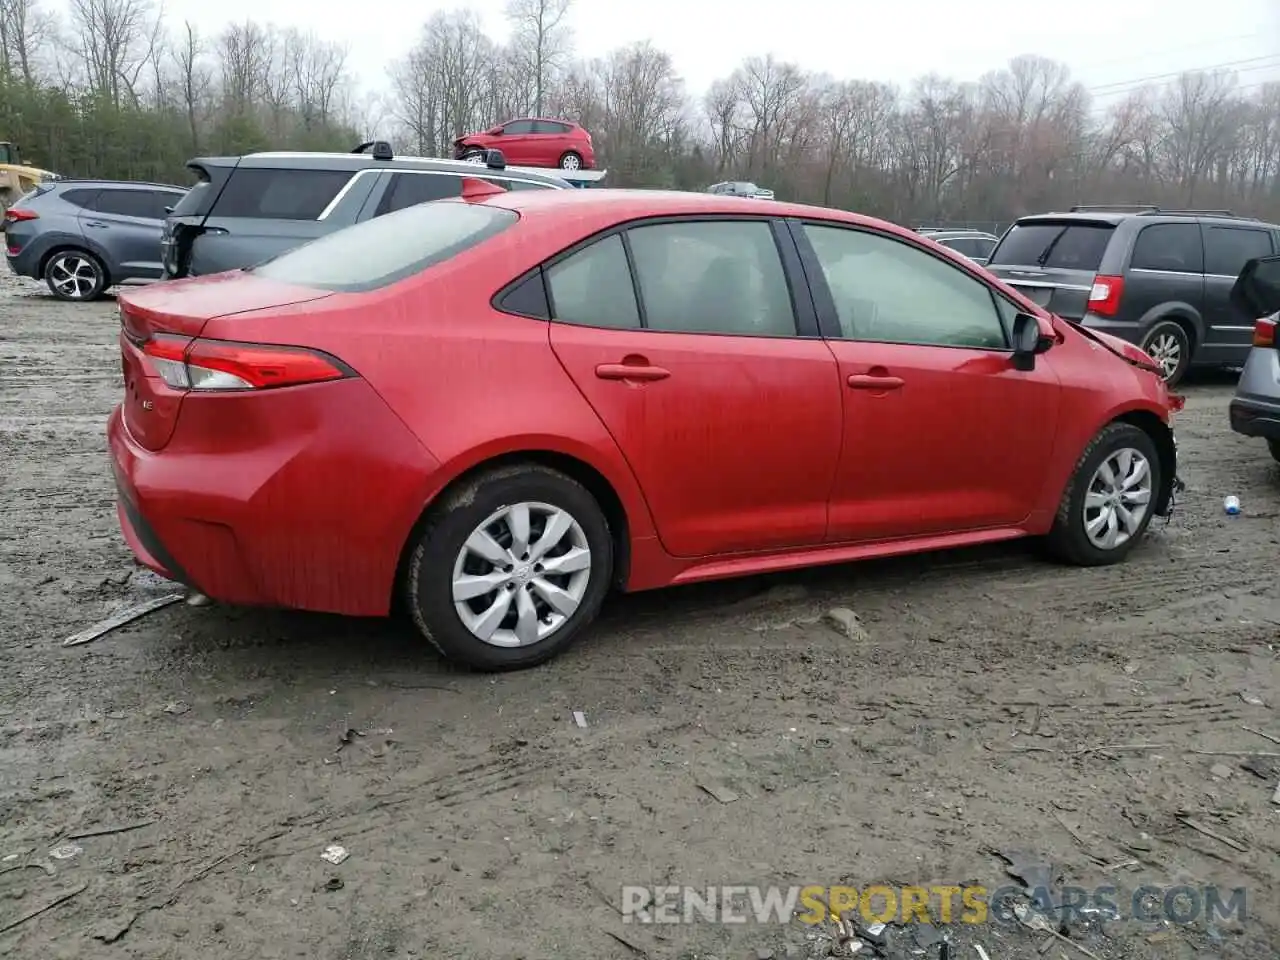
[{"x": 1109, "y": 44}]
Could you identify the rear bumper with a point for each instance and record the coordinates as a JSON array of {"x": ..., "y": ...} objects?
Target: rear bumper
[
  {"x": 1254, "y": 417},
  {"x": 305, "y": 504},
  {"x": 25, "y": 263}
]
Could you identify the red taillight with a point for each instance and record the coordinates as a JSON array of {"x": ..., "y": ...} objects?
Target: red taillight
[
  {"x": 1264, "y": 331},
  {"x": 220, "y": 365},
  {"x": 17, "y": 214},
  {"x": 1104, "y": 298}
]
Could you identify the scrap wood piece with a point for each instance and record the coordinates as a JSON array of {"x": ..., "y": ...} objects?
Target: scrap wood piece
[
  {"x": 56, "y": 902},
  {"x": 1264, "y": 736},
  {"x": 108, "y": 831},
  {"x": 1211, "y": 833},
  {"x": 120, "y": 618}
]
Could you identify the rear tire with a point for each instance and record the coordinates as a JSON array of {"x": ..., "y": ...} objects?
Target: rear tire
[
  {"x": 571, "y": 161},
  {"x": 1117, "y": 475},
  {"x": 1274, "y": 447},
  {"x": 75, "y": 275},
  {"x": 1170, "y": 346},
  {"x": 522, "y": 554}
]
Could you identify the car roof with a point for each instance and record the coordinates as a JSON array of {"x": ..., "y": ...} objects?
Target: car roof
[
  {"x": 618, "y": 205},
  {"x": 288, "y": 159},
  {"x": 1116, "y": 217},
  {"x": 87, "y": 183}
]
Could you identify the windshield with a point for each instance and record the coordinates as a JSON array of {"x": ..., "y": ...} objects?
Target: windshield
[
  {"x": 389, "y": 248},
  {"x": 1067, "y": 246}
]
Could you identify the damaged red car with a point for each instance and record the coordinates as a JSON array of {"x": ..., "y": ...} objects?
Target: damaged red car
[{"x": 498, "y": 409}]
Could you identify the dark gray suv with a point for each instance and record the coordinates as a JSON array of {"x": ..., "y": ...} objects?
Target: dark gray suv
[
  {"x": 244, "y": 210},
  {"x": 83, "y": 236},
  {"x": 1161, "y": 279}
]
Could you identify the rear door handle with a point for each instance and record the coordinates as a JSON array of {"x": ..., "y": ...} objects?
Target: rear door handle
[
  {"x": 627, "y": 371},
  {"x": 864, "y": 381}
]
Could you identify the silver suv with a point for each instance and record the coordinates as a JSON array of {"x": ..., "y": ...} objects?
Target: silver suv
[
  {"x": 740, "y": 188},
  {"x": 244, "y": 210},
  {"x": 1255, "y": 409}
]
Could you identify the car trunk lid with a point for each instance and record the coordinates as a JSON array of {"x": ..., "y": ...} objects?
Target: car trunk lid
[{"x": 157, "y": 323}]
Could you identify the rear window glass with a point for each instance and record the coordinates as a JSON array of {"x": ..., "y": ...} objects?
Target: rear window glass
[
  {"x": 1065, "y": 246},
  {"x": 269, "y": 193},
  {"x": 383, "y": 250}
]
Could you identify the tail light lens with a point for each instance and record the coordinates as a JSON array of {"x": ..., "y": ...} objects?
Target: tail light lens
[
  {"x": 1104, "y": 297},
  {"x": 1264, "y": 331},
  {"x": 208, "y": 366},
  {"x": 17, "y": 215}
]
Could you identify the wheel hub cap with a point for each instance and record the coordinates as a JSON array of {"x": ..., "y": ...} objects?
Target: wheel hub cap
[
  {"x": 522, "y": 574},
  {"x": 1117, "y": 499}
]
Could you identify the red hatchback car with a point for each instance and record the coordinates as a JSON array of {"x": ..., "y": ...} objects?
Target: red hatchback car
[
  {"x": 532, "y": 143},
  {"x": 498, "y": 408}
]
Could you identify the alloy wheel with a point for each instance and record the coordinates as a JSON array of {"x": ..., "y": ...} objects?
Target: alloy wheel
[
  {"x": 74, "y": 276},
  {"x": 521, "y": 574},
  {"x": 1118, "y": 498},
  {"x": 1166, "y": 350},
  {"x": 570, "y": 161}
]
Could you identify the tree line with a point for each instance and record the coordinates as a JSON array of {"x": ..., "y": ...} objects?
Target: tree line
[{"x": 113, "y": 90}]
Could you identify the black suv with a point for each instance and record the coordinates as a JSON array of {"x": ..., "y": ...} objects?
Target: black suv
[
  {"x": 1158, "y": 278},
  {"x": 244, "y": 210}
]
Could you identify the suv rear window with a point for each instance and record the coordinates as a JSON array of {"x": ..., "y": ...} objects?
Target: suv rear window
[
  {"x": 1066, "y": 246},
  {"x": 271, "y": 193},
  {"x": 383, "y": 250}
]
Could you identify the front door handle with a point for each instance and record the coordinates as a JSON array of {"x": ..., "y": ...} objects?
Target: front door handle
[
  {"x": 864, "y": 381},
  {"x": 629, "y": 371},
  {"x": 96, "y": 223}
]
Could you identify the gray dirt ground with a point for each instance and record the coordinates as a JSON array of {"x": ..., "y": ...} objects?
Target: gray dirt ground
[{"x": 483, "y": 823}]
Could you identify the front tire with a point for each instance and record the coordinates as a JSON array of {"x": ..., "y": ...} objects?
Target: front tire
[
  {"x": 75, "y": 275},
  {"x": 1169, "y": 345},
  {"x": 510, "y": 568},
  {"x": 1107, "y": 505},
  {"x": 473, "y": 156}
]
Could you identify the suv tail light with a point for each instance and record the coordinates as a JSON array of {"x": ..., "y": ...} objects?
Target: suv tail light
[
  {"x": 1104, "y": 297},
  {"x": 17, "y": 214},
  {"x": 1264, "y": 331},
  {"x": 222, "y": 365}
]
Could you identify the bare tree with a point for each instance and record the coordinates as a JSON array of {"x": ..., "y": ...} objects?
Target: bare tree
[
  {"x": 541, "y": 42},
  {"x": 115, "y": 40},
  {"x": 25, "y": 29},
  {"x": 195, "y": 78}
]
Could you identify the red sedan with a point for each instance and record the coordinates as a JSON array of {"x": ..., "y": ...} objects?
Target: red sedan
[
  {"x": 498, "y": 408},
  {"x": 532, "y": 143}
]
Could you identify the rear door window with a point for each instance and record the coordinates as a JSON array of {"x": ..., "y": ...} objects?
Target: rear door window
[
  {"x": 1169, "y": 247},
  {"x": 80, "y": 198},
  {"x": 1063, "y": 246},
  {"x": 383, "y": 250},
  {"x": 1228, "y": 249},
  {"x": 550, "y": 126},
  {"x": 279, "y": 194},
  {"x": 146, "y": 204},
  {"x": 408, "y": 189}
]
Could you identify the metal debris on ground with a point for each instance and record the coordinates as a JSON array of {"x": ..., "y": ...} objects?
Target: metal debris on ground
[
  {"x": 108, "y": 831},
  {"x": 718, "y": 791},
  {"x": 580, "y": 719},
  {"x": 982, "y": 954},
  {"x": 120, "y": 618},
  {"x": 335, "y": 854},
  {"x": 66, "y": 851},
  {"x": 333, "y": 883},
  {"x": 1252, "y": 699},
  {"x": 56, "y": 902},
  {"x": 177, "y": 708}
]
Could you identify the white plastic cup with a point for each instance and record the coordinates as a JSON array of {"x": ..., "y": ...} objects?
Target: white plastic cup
[{"x": 1231, "y": 505}]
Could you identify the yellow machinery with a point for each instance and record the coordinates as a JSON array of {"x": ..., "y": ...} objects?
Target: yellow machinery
[{"x": 16, "y": 179}]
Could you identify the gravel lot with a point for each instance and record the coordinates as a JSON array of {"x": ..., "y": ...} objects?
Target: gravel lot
[{"x": 483, "y": 822}]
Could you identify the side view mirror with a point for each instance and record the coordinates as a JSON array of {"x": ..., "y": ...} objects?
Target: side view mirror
[
  {"x": 1256, "y": 293},
  {"x": 495, "y": 160},
  {"x": 168, "y": 209},
  {"x": 1029, "y": 341}
]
